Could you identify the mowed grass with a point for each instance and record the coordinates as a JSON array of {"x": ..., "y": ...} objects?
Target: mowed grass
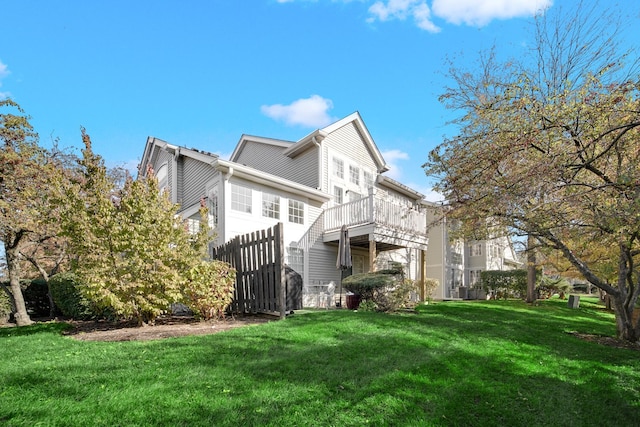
[{"x": 486, "y": 363}]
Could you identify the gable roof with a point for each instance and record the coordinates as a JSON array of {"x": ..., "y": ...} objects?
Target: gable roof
[
  {"x": 154, "y": 145},
  {"x": 254, "y": 175},
  {"x": 248, "y": 139},
  {"x": 356, "y": 119},
  {"x": 292, "y": 149}
]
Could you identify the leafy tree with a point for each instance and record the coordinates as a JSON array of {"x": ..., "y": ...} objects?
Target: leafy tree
[
  {"x": 29, "y": 181},
  {"x": 209, "y": 288},
  {"x": 132, "y": 249},
  {"x": 549, "y": 147}
]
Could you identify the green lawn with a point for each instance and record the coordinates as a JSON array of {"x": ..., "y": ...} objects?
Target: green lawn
[{"x": 486, "y": 363}]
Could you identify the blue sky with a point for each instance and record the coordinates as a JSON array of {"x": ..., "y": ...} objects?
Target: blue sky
[{"x": 202, "y": 73}]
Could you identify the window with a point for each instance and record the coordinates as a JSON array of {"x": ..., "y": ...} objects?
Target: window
[
  {"x": 161, "y": 176},
  {"x": 295, "y": 259},
  {"x": 270, "y": 206},
  {"x": 338, "y": 168},
  {"x": 212, "y": 206},
  {"x": 368, "y": 179},
  {"x": 474, "y": 277},
  {"x": 495, "y": 251},
  {"x": 456, "y": 258},
  {"x": 338, "y": 195},
  {"x": 240, "y": 198},
  {"x": 193, "y": 225},
  {"x": 476, "y": 249},
  {"x": 354, "y": 174},
  {"x": 296, "y": 211}
]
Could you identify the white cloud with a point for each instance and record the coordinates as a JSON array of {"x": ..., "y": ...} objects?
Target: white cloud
[
  {"x": 431, "y": 195},
  {"x": 392, "y": 157},
  {"x": 4, "y": 72},
  {"x": 475, "y": 13},
  {"x": 309, "y": 112},
  {"x": 403, "y": 9},
  {"x": 478, "y": 13}
]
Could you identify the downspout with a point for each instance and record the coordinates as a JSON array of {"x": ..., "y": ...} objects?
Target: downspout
[
  {"x": 320, "y": 163},
  {"x": 226, "y": 202},
  {"x": 174, "y": 176}
]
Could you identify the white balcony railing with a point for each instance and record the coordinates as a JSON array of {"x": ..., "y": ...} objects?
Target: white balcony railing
[
  {"x": 372, "y": 210},
  {"x": 368, "y": 210}
]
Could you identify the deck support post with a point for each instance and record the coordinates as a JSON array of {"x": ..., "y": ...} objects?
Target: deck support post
[{"x": 372, "y": 254}]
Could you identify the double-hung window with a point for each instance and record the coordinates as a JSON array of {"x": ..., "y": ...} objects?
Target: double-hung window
[
  {"x": 354, "y": 175},
  {"x": 338, "y": 195},
  {"x": 240, "y": 198},
  {"x": 296, "y": 211},
  {"x": 270, "y": 206},
  {"x": 338, "y": 168}
]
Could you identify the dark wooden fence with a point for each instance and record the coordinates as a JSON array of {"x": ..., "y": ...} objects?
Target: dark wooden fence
[{"x": 258, "y": 258}]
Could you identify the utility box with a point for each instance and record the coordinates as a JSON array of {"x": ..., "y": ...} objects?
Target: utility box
[{"x": 574, "y": 301}]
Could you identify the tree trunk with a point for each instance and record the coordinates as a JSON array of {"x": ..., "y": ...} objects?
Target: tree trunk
[
  {"x": 531, "y": 271},
  {"x": 626, "y": 330},
  {"x": 13, "y": 267}
]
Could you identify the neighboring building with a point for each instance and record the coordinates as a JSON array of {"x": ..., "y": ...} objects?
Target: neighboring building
[
  {"x": 332, "y": 177},
  {"x": 457, "y": 264}
]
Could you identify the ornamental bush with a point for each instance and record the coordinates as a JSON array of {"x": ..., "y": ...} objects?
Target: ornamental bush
[
  {"x": 209, "y": 288},
  {"x": 368, "y": 285},
  {"x": 505, "y": 284},
  {"x": 65, "y": 291},
  {"x": 385, "y": 290}
]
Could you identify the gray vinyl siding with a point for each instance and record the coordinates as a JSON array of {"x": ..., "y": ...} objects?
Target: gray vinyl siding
[
  {"x": 348, "y": 142},
  {"x": 180, "y": 178},
  {"x": 195, "y": 174},
  {"x": 322, "y": 264},
  {"x": 264, "y": 157},
  {"x": 306, "y": 170},
  {"x": 302, "y": 169}
]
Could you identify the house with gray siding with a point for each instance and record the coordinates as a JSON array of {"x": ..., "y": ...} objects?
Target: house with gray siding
[
  {"x": 457, "y": 263},
  {"x": 331, "y": 177}
]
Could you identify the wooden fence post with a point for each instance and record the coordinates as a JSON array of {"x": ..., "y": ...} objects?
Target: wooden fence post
[{"x": 280, "y": 273}]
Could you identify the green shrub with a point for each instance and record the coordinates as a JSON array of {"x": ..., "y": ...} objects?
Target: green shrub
[
  {"x": 547, "y": 286},
  {"x": 429, "y": 286},
  {"x": 505, "y": 284},
  {"x": 209, "y": 289},
  {"x": 5, "y": 305},
  {"x": 368, "y": 285},
  {"x": 384, "y": 290},
  {"x": 401, "y": 296},
  {"x": 65, "y": 290},
  {"x": 367, "y": 306}
]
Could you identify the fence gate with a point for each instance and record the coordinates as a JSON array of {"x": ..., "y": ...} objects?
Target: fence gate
[{"x": 258, "y": 258}]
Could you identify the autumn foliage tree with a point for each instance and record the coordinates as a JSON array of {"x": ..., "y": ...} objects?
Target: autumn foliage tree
[
  {"x": 548, "y": 145},
  {"x": 132, "y": 250},
  {"x": 30, "y": 178}
]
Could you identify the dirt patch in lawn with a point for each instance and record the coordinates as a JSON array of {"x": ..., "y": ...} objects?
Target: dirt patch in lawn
[
  {"x": 165, "y": 327},
  {"x": 608, "y": 341}
]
